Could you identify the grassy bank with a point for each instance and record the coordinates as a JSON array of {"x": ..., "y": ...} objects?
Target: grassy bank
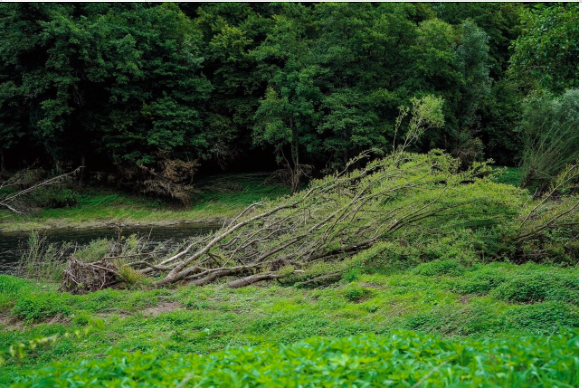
[
  {"x": 216, "y": 199},
  {"x": 490, "y": 304}
]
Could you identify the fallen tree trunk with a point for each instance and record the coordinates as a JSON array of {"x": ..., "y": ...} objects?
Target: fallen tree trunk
[
  {"x": 11, "y": 201},
  {"x": 394, "y": 199},
  {"x": 336, "y": 217}
]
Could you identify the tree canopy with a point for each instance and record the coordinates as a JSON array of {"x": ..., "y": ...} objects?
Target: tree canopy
[{"x": 301, "y": 84}]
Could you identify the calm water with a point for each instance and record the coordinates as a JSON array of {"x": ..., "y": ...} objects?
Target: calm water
[{"x": 12, "y": 244}]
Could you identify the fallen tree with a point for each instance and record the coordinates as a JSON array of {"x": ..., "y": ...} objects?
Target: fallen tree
[
  {"x": 335, "y": 217},
  {"x": 398, "y": 200},
  {"x": 13, "y": 201}
]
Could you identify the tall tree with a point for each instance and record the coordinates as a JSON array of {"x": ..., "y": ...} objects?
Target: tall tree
[{"x": 288, "y": 113}]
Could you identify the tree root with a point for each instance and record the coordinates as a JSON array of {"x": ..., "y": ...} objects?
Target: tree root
[{"x": 80, "y": 278}]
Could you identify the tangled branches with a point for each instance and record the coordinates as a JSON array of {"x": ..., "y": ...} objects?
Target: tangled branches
[
  {"x": 79, "y": 277},
  {"x": 400, "y": 200},
  {"x": 336, "y": 217}
]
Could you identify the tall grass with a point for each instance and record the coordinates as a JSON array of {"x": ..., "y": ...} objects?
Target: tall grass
[{"x": 42, "y": 261}]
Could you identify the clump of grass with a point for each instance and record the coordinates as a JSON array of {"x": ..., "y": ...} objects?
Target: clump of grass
[
  {"x": 42, "y": 261},
  {"x": 543, "y": 318},
  {"x": 539, "y": 287},
  {"x": 524, "y": 284},
  {"x": 36, "y": 307},
  {"x": 357, "y": 294}
]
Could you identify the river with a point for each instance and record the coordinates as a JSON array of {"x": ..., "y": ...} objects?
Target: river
[{"x": 13, "y": 244}]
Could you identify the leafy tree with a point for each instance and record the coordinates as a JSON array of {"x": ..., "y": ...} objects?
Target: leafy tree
[
  {"x": 122, "y": 78},
  {"x": 546, "y": 54},
  {"x": 550, "y": 133},
  {"x": 231, "y": 31},
  {"x": 499, "y": 21},
  {"x": 500, "y": 117},
  {"x": 286, "y": 116}
]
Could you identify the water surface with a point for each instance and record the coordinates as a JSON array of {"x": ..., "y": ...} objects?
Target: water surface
[{"x": 12, "y": 244}]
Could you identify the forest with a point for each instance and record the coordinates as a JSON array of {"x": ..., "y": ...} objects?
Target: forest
[{"x": 352, "y": 194}]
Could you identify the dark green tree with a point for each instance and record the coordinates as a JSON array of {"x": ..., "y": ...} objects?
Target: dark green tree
[{"x": 546, "y": 55}]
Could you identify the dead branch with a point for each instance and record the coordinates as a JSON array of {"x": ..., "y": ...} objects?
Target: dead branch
[{"x": 10, "y": 202}]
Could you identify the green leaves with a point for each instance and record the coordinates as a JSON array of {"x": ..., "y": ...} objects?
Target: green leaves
[
  {"x": 400, "y": 359},
  {"x": 547, "y": 53}
]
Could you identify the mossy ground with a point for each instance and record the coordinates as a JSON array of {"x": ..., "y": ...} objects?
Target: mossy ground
[{"x": 484, "y": 301}]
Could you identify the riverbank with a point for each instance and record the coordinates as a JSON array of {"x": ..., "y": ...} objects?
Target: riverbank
[
  {"x": 522, "y": 309},
  {"x": 217, "y": 199}
]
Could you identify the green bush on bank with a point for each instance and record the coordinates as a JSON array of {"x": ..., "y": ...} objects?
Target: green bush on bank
[
  {"x": 520, "y": 284},
  {"x": 400, "y": 359}
]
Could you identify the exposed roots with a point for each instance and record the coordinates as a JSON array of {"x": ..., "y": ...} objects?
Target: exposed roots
[{"x": 80, "y": 278}]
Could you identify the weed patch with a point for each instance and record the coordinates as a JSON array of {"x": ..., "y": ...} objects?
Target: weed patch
[{"x": 403, "y": 358}]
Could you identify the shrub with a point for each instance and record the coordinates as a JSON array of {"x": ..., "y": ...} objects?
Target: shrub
[{"x": 550, "y": 131}]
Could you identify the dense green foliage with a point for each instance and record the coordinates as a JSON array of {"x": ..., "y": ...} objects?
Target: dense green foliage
[
  {"x": 395, "y": 112},
  {"x": 400, "y": 359},
  {"x": 547, "y": 53},
  {"x": 483, "y": 307},
  {"x": 135, "y": 84}
]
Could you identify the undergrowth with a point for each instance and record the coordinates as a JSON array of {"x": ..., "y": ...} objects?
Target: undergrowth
[
  {"x": 396, "y": 359},
  {"x": 482, "y": 302}
]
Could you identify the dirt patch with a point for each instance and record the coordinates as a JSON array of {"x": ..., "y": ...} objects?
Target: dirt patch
[
  {"x": 58, "y": 319},
  {"x": 10, "y": 322},
  {"x": 163, "y": 307}
]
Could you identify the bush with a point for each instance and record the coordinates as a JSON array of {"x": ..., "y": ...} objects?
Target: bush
[
  {"x": 550, "y": 131},
  {"x": 400, "y": 359},
  {"x": 539, "y": 287}
]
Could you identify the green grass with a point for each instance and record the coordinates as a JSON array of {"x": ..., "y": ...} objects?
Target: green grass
[
  {"x": 509, "y": 176},
  {"x": 217, "y": 199},
  {"x": 478, "y": 303},
  {"x": 398, "y": 359}
]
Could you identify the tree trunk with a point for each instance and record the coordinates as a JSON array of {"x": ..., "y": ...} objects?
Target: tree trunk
[{"x": 82, "y": 171}]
